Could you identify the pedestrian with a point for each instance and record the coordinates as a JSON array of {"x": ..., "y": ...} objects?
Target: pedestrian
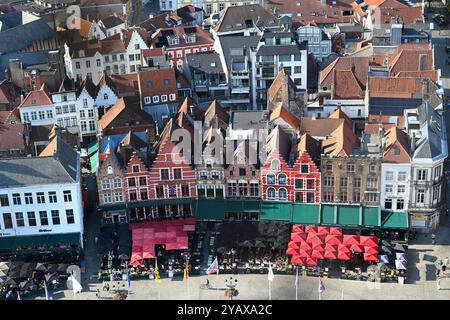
[
  {"x": 433, "y": 238},
  {"x": 97, "y": 294},
  {"x": 445, "y": 264},
  {"x": 438, "y": 283},
  {"x": 438, "y": 271}
]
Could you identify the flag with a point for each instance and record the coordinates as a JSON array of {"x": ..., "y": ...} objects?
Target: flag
[
  {"x": 213, "y": 268},
  {"x": 157, "y": 277},
  {"x": 270, "y": 275},
  {"x": 76, "y": 286},
  {"x": 185, "y": 277},
  {"x": 18, "y": 296},
  {"x": 321, "y": 286},
  {"x": 47, "y": 296}
]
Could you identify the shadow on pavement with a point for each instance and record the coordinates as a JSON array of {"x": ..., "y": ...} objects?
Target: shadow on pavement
[{"x": 430, "y": 272}]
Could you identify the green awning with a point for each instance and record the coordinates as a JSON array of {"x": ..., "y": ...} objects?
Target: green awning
[
  {"x": 394, "y": 220},
  {"x": 156, "y": 203},
  {"x": 210, "y": 209},
  {"x": 371, "y": 216},
  {"x": 251, "y": 205},
  {"x": 93, "y": 147},
  {"x": 65, "y": 238},
  {"x": 348, "y": 215},
  {"x": 116, "y": 207},
  {"x": 94, "y": 163},
  {"x": 328, "y": 213},
  {"x": 275, "y": 211},
  {"x": 234, "y": 206},
  {"x": 28, "y": 241},
  {"x": 306, "y": 213},
  {"x": 7, "y": 243}
]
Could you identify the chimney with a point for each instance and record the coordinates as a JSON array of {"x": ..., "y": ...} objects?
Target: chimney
[
  {"x": 150, "y": 16},
  {"x": 413, "y": 143}
]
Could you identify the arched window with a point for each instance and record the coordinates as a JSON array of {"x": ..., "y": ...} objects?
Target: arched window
[
  {"x": 275, "y": 165},
  {"x": 282, "y": 194},
  {"x": 271, "y": 194},
  {"x": 105, "y": 96},
  {"x": 282, "y": 180},
  {"x": 270, "y": 178}
]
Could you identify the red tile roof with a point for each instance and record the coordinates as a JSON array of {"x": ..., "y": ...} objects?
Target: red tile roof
[
  {"x": 126, "y": 84},
  {"x": 37, "y": 98},
  {"x": 282, "y": 113},
  {"x": 277, "y": 84},
  {"x": 152, "y": 82},
  {"x": 360, "y": 65},
  {"x": 397, "y": 147},
  {"x": 410, "y": 60},
  {"x": 394, "y": 87},
  {"x": 159, "y": 38},
  {"x": 430, "y": 74},
  {"x": 12, "y": 136},
  {"x": 346, "y": 86}
]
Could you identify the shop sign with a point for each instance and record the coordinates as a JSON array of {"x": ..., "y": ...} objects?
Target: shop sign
[{"x": 419, "y": 217}]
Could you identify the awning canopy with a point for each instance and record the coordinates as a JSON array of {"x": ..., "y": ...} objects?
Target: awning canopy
[
  {"x": 9, "y": 244},
  {"x": 94, "y": 163},
  {"x": 394, "y": 220},
  {"x": 93, "y": 147}
]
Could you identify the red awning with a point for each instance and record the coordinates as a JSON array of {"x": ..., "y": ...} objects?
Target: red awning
[
  {"x": 171, "y": 234},
  {"x": 318, "y": 247},
  {"x": 160, "y": 240},
  {"x": 137, "y": 236},
  {"x": 305, "y": 253},
  {"x": 292, "y": 252},
  {"x": 370, "y": 257},
  {"x": 311, "y": 229},
  {"x": 344, "y": 256},
  {"x": 350, "y": 239},
  {"x": 333, "y": 239},
  {"x": 305, "y": 246},
  {"x": 369, "y": 241},
  {"x": 293, "y": 245},
  {"x": 149, "y": 242},
  {"x": 189, "y": 227},
  {"x": 343, "y": 248},
  {"x": 329, "y": 247},
  {"x": 136, "y": 249},
  {"x": 356, "y": 248},
  {"x": 336, "y": 231},
  {"x": 330, "y": 254},
  {"x": 148, "y": 255},
  {"x": 317, "y": 254},
  {"x": 135, "y": 263},
  {"x": 371, "y": 250},
  {"x": 315, "y": 238},
  {"x": 297, "y": 260},
  {"x": 323, "y": 230},
  {"x": 311, "y": 262},
  {"x": 298, "y": 237},
  {"x": 298, "y": 228},
  {"x": 171, "y": 246}
]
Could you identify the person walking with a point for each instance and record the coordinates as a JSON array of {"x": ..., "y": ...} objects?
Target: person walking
[
  {"x": 97, "y": 294},
  {"x": 438, "y": 283},
  {"x": 433, "y": 238},
  {"x": 444, "y": 264}
]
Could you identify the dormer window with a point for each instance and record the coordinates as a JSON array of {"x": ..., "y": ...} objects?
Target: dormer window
[
  {"x": 173, "y": 40},
  {"x": 190, "y": 38},
  {"x": 275, "y": 165}
]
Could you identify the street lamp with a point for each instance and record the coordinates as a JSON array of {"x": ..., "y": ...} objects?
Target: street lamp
[{"x": 231, "y": 285}]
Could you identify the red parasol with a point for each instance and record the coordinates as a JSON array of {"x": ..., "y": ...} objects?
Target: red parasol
[
  {"x": 292, "y": 252},
  {"x": 136, "y": 249},
  {"x": 149, "y": 242},
  {"x": 315, "y": 238},
  {"x": 350, "y": 239},
  {"x": 333, "y": 239},
  {"x": 317, "y": 254},
  {"x": 311, "y": 262},
  {"x": 293, "y": 245},
  {"x": 136, "y": 256},
  {"x": 305, "y": 254},
  {"x": 318, "y": 247},
  {"x": 298, "y": 228},
  {"x": 371, "y": 250},
  {"x": 344, "y": 255},
  {"x": 298, "y": 237},
  {"x": 148, "y": 255},
  {"x": 137, "y": 236},
  {"x": 330, "y": 254},
  {"x": 369, "y": 241},
  {"x": 297, "y": 260},
  {"x": 323, "y": 230},
  {"x": 311, "y": 229},
  {"x": 343, "y": 248},
  {"x": 370, "y": 257},
  {"x": 305, "y": 246},
  {"x": 329, "y": 247},
  {"x": 336, "y": 231},
  {"x": 357, "y": 248},
  {"x": 135, "y": 263}
]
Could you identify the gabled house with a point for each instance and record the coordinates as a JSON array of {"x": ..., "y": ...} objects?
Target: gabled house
[
  {"x": 112, "y": 25},
  {"x": 135, "y": 40},
  {"x": 37, "y": 108}
]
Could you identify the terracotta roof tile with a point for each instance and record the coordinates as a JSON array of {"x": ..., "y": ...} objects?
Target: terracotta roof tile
[
  {"x": 189, "y": 107},
  {"x": 12, "y": 136},
  {"x": 279, "y": 141},
  {"x": 159, "y": 38},
  {"x": 309, "y": 145},
  {"x": 430, "y": 74},
  {"x": 411, "y": 60},
  {"x": 284, "y": 114},
  {"x": 215, "y": 111},
  {"x": 37, "y": 98},
  {"x": 277, "y": 84},
  {"x": 394, "y": 87},
  {"x": 359, "y": 64},
  {"x": 346, "y": 86},
  {"x": 341, "y": 143},
  {"x": 397, "y": 147},
  {"x": 126, "y": 84},
  {"x": 153, "y": 82}
]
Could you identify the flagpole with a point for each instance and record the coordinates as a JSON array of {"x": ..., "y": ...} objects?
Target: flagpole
[
  {"x": 270, "y": 286},
  {"x": 320, "y": 291},
  {"x": 296, "y": 285}
]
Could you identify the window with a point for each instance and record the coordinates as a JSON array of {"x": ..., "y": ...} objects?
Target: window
[
  {"x": 185, "y": 190},
  {"x": 232, "y": 189},
  {"x": 275, "y": 165},
  {"x": 243, "y": 190},
  {"x": 135, "y": 168},
  {"x": 43, "y": 218},
  {"x": 221, "y": 6},
  {"x": 329, "y": 181},
  {"x": 40, "y": 197},
  {"x": 77, "y": 65},
  {"x": 401, "y": 189},
  {"x": 310, "y": 197},
  {"x": 164, "y": 98},
  {"x": 131, "y": 182},
  {"x": 357, "y": 182},
  {"x": 16, "y": 199},
  {"x": 298, "y": 69},
  {"x": 117, "y": 183},
  {"x": 4, "y": 200},
  {"x": 49, "y": 114},
  {"x": 356, "y": 196},
  {"x": 389, "y": 176},
  {"x": 133, "y": 196},
  {"x": 388, "y": 204},
  {"x": 142, "y": 181},
  {"x": 70, "y": 216},
  {"x": 328, "y": 196},
  {"x": 254, "y": 190},
  {"x": 437, "y": 172},
  {"x": 351, "y": 167},
  {"x": 55, "y": 217},
  {"x": 298, "y": 183},
  {"x": 270, "y": 178},
  {"x": 41, "y": 115},
  {"x": 7, "y": 220},
  {"x": 304, "y": 168},
  {"x": 99, "y": 63},
  {"x": 373, "y": 167},
  {"x": 88, "y": 64},
  {"x": 105, "y": 96},
  {"x": 155, "y": 99},
  {"x": 400, "y": 204},
  {"x": 164, "y": 174},
  {"x": 67, "y": 196},
  {"x": 19, "y": 219},
  {"x": 299, "y": 196},
  {"x": 136, "y": 46},
  {"x": 52, "y": 196},
  {"x": 106, "y": 58},
  {"x": 343, "y": 196},
  {"x": 159, "y": 192},
  {"x": 26, "y": 117},
  {"x": 147, "y": 100},
  {"x": 420, "y": 196},
  {"x": 90, "y": 113},
  {"x": 343, "y": 182},
  {"x": 372, "y": 182},
  {"x": 118, "y": 197},
  {"x": 285, "y": 57},
  {"x": 282, "y": 194},
  {"x": 177, "y": 174},
  {"x": 271, "y": 194},
  {"x": 421, "y": 175},
  {"x": 28, "y": 198},
  {"x": 371, "y": 197},
  {"x": 389, "y": 188},
  {"x": 33, "y": 115},
  {"x": 436, "y": 191},
  {"x": 144, "y": 195},
  {"x": 329, "y": 166},
  {"x": 172, "y": 97},
  {"x": 282, "y": 180},
  {"x": 92, "y": 125}
]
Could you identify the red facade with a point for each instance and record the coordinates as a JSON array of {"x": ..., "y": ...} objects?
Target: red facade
[{"x": 136, "y": 180}]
